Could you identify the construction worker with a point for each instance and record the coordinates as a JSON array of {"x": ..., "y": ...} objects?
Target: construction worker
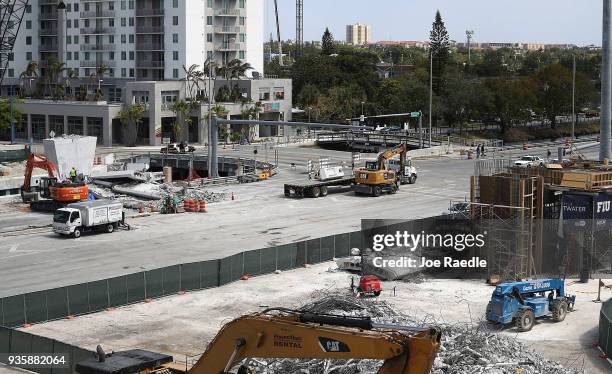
[{"x": 73, "y": 174}]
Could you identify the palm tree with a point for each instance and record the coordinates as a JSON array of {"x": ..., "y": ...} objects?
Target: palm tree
[
  {"x": 30, "y": 73},
  {"x": 95, "y": 80},
  {"x": 55, "y": 69},
  {"x": 189, "y": 77},
  {"x": 130, "y": 117},
  {"x": 70, "y": 75}
]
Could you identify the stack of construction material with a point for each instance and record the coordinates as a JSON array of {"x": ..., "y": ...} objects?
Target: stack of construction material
[{"x": 465, "y": 349}]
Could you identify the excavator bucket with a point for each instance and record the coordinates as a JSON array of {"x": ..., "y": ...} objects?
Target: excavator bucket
[{"x": 419, "y": 358}]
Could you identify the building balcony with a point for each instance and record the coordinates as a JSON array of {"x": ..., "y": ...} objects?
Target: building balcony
[
  {"x": 98, "y": 14},
  {"x": 47, "y": 32},
  {"x": 149, "y": 46},
  {"x": 97, "y": 47},
  {"x": 145, "y": 64},
  {"x": 97, "y": 63},
  {"x": 98, "y": 30},
  {"x": 227, "y": 12},
  {"x": 227, "y": 29},
  {"x": 228, "y": 47},
  {"x": 149, "y": 29},
  {"x": 48, "y": 47},
  {"x": 149, "y": 12},
  {"x": 46, "y": 16},
  {"x": 45, "y": 2}
]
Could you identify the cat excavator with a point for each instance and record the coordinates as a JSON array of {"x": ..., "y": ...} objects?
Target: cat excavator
[
  {"x": 283, "y": 333},
  {"x": 383, "y": 175}
]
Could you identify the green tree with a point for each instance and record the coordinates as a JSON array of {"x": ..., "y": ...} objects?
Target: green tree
[
  {"x": 512, "y": 101},
  {"x": 130, "y": 117},
  {"x": 439, "y": 50},
  {"x": 554, "y": 91},
  {"x": 5, "y": 114},
  {"x": 309, "y": 96},
  {"x": 327, "y": 43}
]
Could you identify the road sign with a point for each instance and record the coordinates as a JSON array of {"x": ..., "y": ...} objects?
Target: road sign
[{"x": 415, "y": 114}]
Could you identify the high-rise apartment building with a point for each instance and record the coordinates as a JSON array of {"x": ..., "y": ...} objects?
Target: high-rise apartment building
[
  {"x": 358, "y": 34},
  {"x": 138, "y": 39}
]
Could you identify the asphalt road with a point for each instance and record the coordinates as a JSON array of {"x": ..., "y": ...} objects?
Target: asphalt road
[{"x": 259, "y": 217}]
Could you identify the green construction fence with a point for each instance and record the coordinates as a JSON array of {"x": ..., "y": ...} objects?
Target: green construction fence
[
  {"x": 90, "y": 297},
  {"x": 21, "y": 343},
  {"x": 605, "y": 327}
]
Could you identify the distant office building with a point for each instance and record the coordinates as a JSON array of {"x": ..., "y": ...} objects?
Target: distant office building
[
  {"x": 402, "y": 43},
  {"x": 358, "y": 34}
]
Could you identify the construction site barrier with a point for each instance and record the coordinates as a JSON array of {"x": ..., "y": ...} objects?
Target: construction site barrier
[
  {"x": 95, "y": 296},
  {"x": 605, "y": 328},
  {"x": 19, "y": 342}
]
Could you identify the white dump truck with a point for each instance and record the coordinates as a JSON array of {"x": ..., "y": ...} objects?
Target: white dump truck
[{"x": 77, "y": 218}]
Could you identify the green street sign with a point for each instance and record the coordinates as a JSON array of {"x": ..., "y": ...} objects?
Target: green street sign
[{"x": 415, "y": 114}]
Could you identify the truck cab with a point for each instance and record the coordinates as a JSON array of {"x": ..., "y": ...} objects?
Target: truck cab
[{"x": 65, "y": 220}]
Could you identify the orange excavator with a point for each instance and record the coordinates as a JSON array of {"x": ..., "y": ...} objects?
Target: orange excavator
[
  {"x": 50, "y": 193},
  {"x": 283, "y": 333}
]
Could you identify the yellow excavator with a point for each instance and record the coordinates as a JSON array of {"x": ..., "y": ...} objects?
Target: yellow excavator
[
  {"x": 378, "y": 177},
  {"x": 283, "y": 333}
]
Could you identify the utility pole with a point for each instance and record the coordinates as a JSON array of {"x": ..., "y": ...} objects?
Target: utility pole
[
  {"x": 574, "y": 100},
  {"x": 606, "y": 84},
  {"x": 280, "y": 43},
  {"x": 12, "y": 119},
  {"x": 430, "y": 94},
  {"x": 299, "y": 27},
  {"x": 469, "y": 34}
]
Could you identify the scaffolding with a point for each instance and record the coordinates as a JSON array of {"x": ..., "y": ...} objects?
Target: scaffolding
[
  {"x": 299, "y": 27},
  {"x": 510, "y": 207}
]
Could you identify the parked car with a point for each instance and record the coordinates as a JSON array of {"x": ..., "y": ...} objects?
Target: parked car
[{"x": 529, "y": 161}]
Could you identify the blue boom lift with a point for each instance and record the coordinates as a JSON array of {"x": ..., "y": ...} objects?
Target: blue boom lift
[{"x": 523, "y": 302}]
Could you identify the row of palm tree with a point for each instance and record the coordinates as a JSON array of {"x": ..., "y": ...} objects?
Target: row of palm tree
[
  {"x": 57, "y": 80},
  {"x": 195, "y": 78}
]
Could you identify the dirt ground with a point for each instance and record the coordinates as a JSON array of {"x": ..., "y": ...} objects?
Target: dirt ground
[{"x": 182, "y": 325}]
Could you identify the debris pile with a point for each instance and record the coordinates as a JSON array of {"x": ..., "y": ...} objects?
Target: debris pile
[{"x": 465, "y": 349}]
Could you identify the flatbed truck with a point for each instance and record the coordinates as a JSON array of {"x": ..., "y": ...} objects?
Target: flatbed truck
[{"x": 315, "y": 189}]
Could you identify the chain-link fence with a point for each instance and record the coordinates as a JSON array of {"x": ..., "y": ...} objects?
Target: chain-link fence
[
  {"x": 605, "y": 327},
  {"x": 13, "y": 342},
  {"x": 99, "y": 295}
]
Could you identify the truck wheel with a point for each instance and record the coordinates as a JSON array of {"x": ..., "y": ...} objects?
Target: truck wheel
[
  {"x": 287, "y": 194},
  {"x": 559, "y": 310},
  {"x": 324, "y": 191},
  {"x": 110, "y": 228},
  {"x": 376, "y": 191},
  {"x": 525, "y": 320},
  {"x": 315, "y": 192},
  {"x": 412, "y": 179},
  {"x": 376, "y": 293},
  {"x": 77, "y": 233}
]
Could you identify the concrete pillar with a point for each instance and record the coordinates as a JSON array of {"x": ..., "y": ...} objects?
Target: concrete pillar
[
  {"x": 107, "y": 131},
  {"x": 84, "y": 126},
  {"x": 29, "y": 128},
  {"x": 65, "y": 125},
  {"x": 203, "y": 131},
  {"x": 47, "y": 126}
]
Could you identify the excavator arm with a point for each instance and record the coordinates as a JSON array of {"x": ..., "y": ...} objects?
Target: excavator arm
[
  {"x": 310, "y": 336},
  {"x": 283, "y": 333},
  {"x": 386, "y": 155},
  {"x": 39, "y": 162}
]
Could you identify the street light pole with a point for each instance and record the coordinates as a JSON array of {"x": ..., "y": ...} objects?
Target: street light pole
[
  {"x": 606, "y": 84},
  {"x": 430, "y": 94},
  {"x": 12, "y": 120},
  {"x": 574, "y": 100}
]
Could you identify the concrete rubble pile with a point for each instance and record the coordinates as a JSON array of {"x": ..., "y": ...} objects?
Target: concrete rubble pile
[
  {"x": 153, "y": 196},
  {"x": 466, "y": 348}
]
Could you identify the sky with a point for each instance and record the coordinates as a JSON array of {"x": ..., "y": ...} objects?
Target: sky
[{"x": 537, "y": 21}]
